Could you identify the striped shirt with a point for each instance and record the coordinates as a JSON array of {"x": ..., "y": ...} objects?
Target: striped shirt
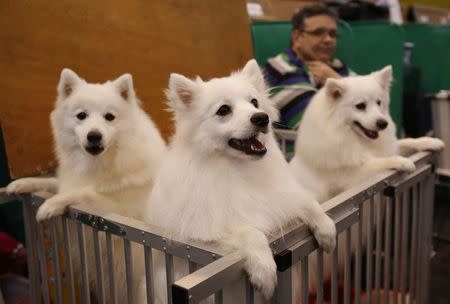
[{"x": 292, "y": 86}]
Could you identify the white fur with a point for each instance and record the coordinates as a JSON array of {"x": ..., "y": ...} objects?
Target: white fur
[
  {"x": 208, "y": 191},
  {"x": 119, "y": 179},
  {"x": 332, "y": 154}
]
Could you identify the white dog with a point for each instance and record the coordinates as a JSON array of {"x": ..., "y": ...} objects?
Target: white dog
[
  {"x": 225, "y": 179},
  {"x": 107, "y": 149},
  {"x": 347, "y": 135}
]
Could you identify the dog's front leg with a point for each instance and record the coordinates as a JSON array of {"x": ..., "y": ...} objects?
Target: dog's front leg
[
  {"x": 33, "y": 184},
  {"x": 377, "y": 165},
  {"x": 253, "y": 245},
  {"x": 57, "y": 204},
  {"x": 313, "y": 215},
  {"x": 407, "y": 146}
]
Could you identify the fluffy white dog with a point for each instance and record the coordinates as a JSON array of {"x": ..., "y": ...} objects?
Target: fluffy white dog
[
  {"x": 347, "y": 135},
  {"x": 108, "y": 151},
  {"x": 225, "y": 179}
]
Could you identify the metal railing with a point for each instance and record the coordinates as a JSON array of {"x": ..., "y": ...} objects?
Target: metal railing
[{"x": 382, "y": 254}]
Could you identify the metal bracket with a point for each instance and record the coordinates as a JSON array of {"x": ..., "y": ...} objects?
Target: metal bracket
[{"x": 99, "y": 223}]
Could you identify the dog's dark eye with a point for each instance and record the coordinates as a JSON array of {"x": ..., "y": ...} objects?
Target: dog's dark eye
[
  {"x": 109, "y": 117},
  {"x": 379, "y": 102},
  {"x": 223, "y": 110},
  {"x": 254, "y": 102},
  {"x": 81, "y": 115},
  {"x": 361, "y": 106}
]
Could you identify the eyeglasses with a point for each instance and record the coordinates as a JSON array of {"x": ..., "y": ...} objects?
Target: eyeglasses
[{"x": 321, "y": 32}]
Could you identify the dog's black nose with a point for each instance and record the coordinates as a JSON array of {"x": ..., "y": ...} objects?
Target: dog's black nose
[
  {"x": 260, "y": 119},
  {"x": 94, "y": 137},
  {"x": 382, "y": 124}
]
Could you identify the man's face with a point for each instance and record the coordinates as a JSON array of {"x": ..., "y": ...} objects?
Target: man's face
[{"x": 317, "y": 41}]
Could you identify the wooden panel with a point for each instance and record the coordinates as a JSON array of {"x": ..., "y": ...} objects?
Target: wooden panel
[{"x": 101, "y": 40}]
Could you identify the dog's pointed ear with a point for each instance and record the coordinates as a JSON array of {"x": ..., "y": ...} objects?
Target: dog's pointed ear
[
  {"x": 124, "y": 84},
  {"x": 254, "y": 73},
  {"x": 384, "y": 77},
  {"x": 198, "y": 79},
  {"x": 181, "y": 89},
  {"x": 334, "y": 88},
  {"x": 68, "y": 81}
]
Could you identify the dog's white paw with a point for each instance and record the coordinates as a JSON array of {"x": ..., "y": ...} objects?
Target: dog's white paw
[
  {"x": 262, "y": 272},
  {"x": 325, "y": 233},
  {"x": 20, "y": 186},
  {"x": 50, "y": 208},
  {"x": 431, "y": 144},
  {"x": 403, "y": 164}
]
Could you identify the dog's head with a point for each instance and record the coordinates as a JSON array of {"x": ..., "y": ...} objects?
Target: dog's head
[
  {"x": 89, "y": 116},
  {"x": 362, "y": 102},
  {"x": 229, "y": 115}
]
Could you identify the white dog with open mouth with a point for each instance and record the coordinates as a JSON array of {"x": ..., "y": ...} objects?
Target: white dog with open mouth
[
  {"x": 347, "y": 135},
  {"x": 225, "y": 179}
]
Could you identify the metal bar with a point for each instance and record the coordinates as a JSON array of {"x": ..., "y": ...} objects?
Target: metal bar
[
  {"x": 347, "y": 265},
  {"x": 404, "y": 244},
  {"x": 249, "y": 293},
  {"x": 396, "y": 244},
  {"x": 334, "y": 273},
  {"x": 192, "y": 267},
  {"x": 369, "y": 251},
  {"x": 414, "y": 232},
  {"x": 149, "y": 274},
  {"x": 98, "y": 267},
  {"x": 129, "y": 270},
  {"x": 379, "y": 232},
  {"x": 55, "y": 260},
  {"x": 68, "y": 260},
  {"x": 83, "y": 265},
  {"x": 284, "y": 288},
  {"x": 110, "y": 255},
  {"x": 43, "y": 264},
  {"x": 32, "y": 255},
  {"x": 218, "y": 297},
  {"x": 387, "y": 250},
  {"x": 304, "y": 278},
  {"x": 319, "y": 282},
  {"x": 208, "y": 279},
  {"x": 420, "y": 242},
  {"x": 358, "y": 259},
  {"x": 429, "y": 205},
  {"x": 169, "y": 276}
]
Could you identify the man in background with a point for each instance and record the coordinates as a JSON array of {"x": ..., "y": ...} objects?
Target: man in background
[{"x": 296, "y": 73}]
